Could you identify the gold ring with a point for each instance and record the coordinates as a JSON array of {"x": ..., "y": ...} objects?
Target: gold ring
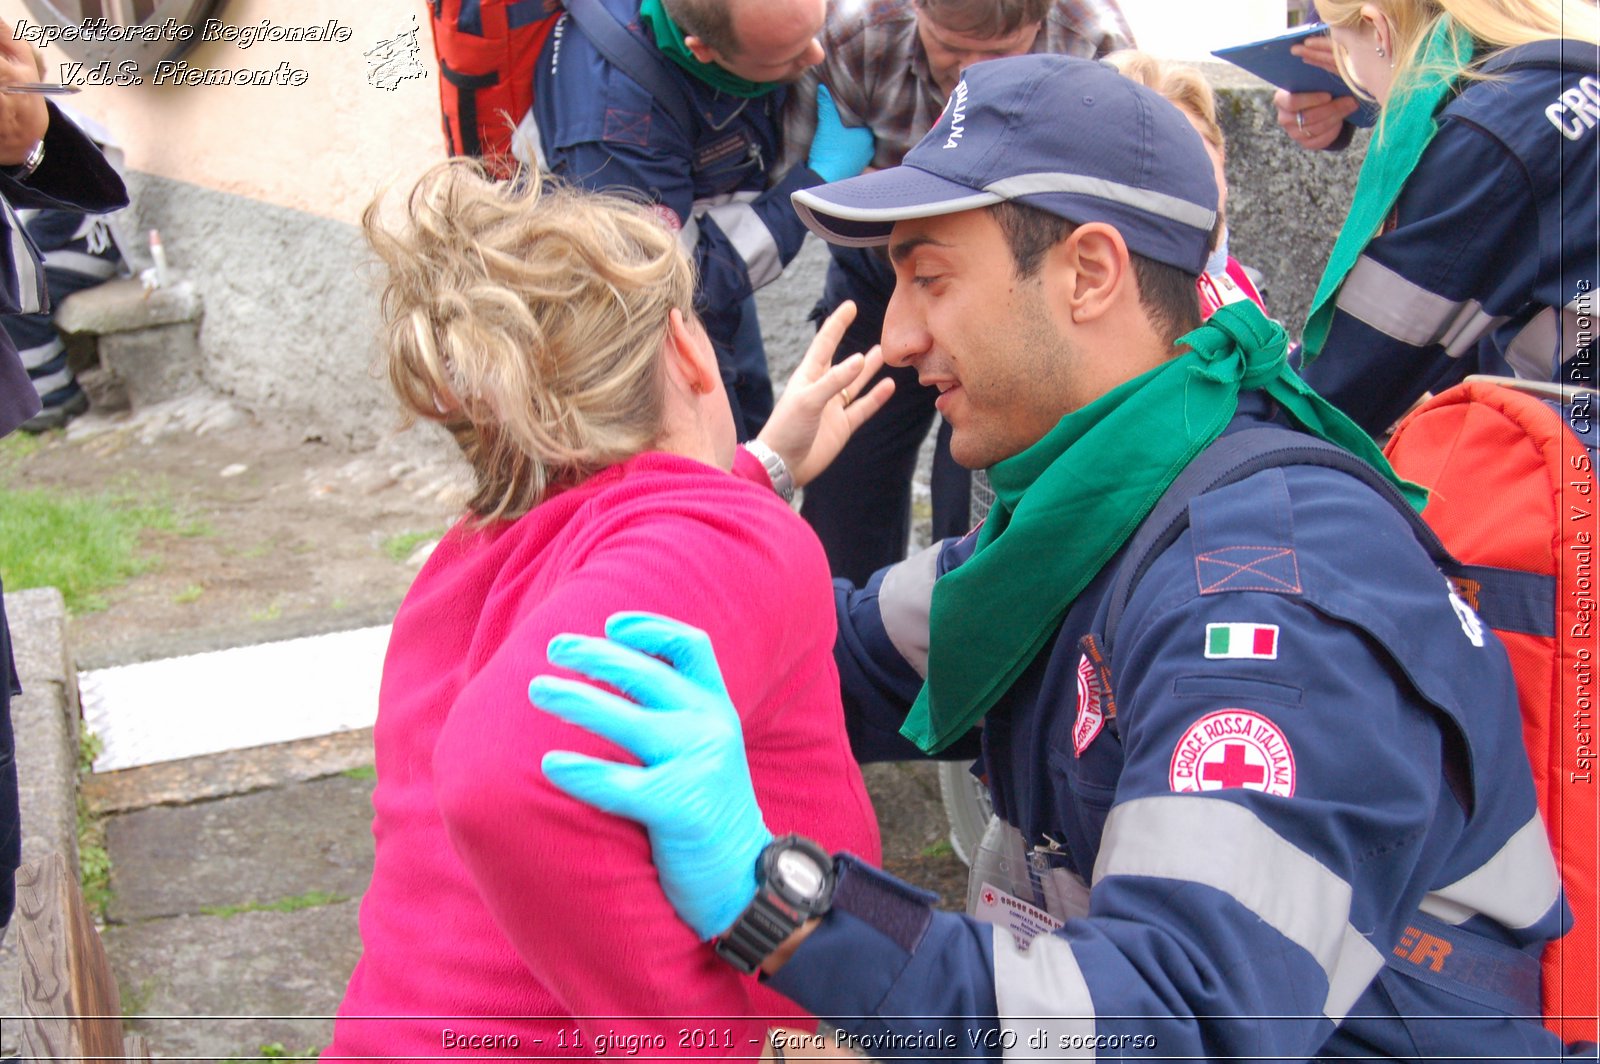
[{"x": 844, "y": 393}]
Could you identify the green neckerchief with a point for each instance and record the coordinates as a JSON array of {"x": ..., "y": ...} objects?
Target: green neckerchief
[
  {"x": 1065, "y": 505},
  {"x": 1404, "y": 132},
  {"x": 669, "y": 38}
]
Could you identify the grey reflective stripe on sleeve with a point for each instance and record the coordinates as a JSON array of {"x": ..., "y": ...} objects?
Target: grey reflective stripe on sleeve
[
  {"x": 905, "y": 599},
  {"x": 1043, "y": 987},
  {"x": 1157, "y": 203},
  {"x": 79, "y": 263},
  {"x": 525, "y": 144},
  {"x": 1410, "y": 313},
  {"x": 1516, "y": 887},
  {"x": 1548, "y": 341},
  {"x": 751, "y": 238},
  {"x": 689, "y": 236},
  {"x": 30, "y": 300},
  {"x": 1227, "y": 847},
  {"x": 34, "y": 357}
]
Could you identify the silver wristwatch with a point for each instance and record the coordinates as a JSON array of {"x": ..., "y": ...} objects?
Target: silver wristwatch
[
  {"x": 777, "y": 471},
  {"x": 24, "y": 170}
]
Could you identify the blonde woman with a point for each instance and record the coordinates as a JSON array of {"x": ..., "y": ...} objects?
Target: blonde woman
[
  {"x": 1224, "y": 280},
  {"x": 1471, "y": 245},
  {"x": 551, "y": 331}
]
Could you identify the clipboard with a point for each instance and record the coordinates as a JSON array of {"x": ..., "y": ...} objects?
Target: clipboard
[{"x": 1271, "y": 60}]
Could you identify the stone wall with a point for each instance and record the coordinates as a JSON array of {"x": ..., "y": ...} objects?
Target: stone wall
[{"x": 289, "y": 327}]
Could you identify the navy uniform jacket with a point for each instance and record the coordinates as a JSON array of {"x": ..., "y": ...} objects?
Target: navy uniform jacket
[
  {"x": 1491, "y": 262},
  {"x": 73, "y": 176},
  {"x": 1259, "y": 819},
  {"x": 595, "y": 125}
]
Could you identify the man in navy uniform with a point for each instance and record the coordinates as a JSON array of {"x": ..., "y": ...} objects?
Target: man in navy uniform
[{"x": 1258, "y": 821}]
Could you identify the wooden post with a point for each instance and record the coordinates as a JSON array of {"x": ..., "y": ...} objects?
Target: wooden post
[{"x": 71, "y": 1009}]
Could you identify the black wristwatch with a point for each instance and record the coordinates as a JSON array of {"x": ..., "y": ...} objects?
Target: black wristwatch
[{"x": 794, "y": 882}]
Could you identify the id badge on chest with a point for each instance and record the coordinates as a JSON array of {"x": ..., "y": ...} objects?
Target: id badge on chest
[{"x": 1020, "y": 889}]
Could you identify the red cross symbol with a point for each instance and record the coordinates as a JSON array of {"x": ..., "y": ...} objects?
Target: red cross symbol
[{"x": 1234, "y": 771}]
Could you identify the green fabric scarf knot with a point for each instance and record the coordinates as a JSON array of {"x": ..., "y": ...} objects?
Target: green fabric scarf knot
[
  {"x": 1250, "y": 350},
  {"x": 1066, "y": 505}
]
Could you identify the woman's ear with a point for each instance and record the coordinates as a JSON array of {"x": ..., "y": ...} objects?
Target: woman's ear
[
  {"x": 690, "y": 357},
  {"x": 1383, "y": 33}
]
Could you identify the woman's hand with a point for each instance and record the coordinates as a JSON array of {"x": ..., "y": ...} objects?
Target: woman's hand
[
  {"x": 1318, "y": 52},
  {"x": 823, "y": 405},
  {"x": 1313, "y": 119}
]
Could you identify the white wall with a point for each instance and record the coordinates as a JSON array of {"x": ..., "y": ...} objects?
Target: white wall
[{"x": 1190, "y": 29}]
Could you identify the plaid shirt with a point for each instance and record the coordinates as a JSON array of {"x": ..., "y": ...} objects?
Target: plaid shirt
[{"x": 877, "y": 70}]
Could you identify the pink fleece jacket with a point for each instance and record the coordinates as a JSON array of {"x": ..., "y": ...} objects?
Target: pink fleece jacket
[{"x": 504, "y": 918}]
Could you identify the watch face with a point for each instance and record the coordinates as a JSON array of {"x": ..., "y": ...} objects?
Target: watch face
[{"x": 800, "y": 873}]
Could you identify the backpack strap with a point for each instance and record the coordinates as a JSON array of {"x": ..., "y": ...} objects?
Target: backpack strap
[
  {"x": 1230, "y": 459},
  {"x": 633, "y": 57},
  {"x": 1481, "y": 969}
]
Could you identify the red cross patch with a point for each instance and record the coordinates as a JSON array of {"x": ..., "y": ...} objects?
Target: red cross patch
[{"x": 1233, "y": 748}]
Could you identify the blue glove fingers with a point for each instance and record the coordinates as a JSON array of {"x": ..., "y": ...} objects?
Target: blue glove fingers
[
  {"x": 827, "y": 110},
  {"x": 638, "y": 731},
  {"x": 640, "y": 675},
  {"x": 606, "y": 785},
  {"x": 686, "y": 647}
]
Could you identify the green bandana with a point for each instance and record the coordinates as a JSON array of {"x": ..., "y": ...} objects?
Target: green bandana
[
  {"x": 669, "y": 38},
  {"x": 1405, "y": 131},
  {"x": 1065, "y": 505}
]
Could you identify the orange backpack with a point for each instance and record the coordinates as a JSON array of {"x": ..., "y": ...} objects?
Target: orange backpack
[
  {"x": 487, "y": 51},
  {"x": 1513, "y": 497}
]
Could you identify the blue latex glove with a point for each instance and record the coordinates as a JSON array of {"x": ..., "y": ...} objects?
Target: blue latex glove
[
  {"x": 838, "y": 151},
  {"x": 693, "y": 792}
]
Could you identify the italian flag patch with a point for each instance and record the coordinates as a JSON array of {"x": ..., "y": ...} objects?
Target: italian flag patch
[{"x": 1242, "y": 641}]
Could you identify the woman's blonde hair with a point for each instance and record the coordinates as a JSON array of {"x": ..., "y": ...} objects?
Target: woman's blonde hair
[
  {"x": 1183, "y": 85},
  {"x": 528, "y": 318},
  {"x": 1492, "y": 23}
]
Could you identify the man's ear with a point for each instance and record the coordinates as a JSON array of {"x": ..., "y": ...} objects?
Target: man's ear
[
  {"x": 689, "y": 355},
  {"x": 699, "y": 49},
  {"x": 1089, "y": 272}
]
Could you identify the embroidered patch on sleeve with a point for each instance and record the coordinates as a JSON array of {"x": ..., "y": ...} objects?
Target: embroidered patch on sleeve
[
  {"x": 1097, "y": 703},
  {"x": 1233, "y": 748},
  {"x": 1255, "y": 641},
  {"x": 1248, "y": 569},
  {"x": 626, "y": 127},
  {"x": 1090, "y": 719}
]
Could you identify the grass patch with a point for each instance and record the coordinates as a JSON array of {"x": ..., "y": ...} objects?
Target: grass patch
[
  {"x": 942, "y": 848},
  {"x": 275, "y": 1051},
  {"x": 81, "y": 544},
  {"x": 189, "y": 594},
  {"x": 18, "y": 447},
  {"x": 309, "y": 900},
  {"x": 272, "y": 612},
  {"x": 399, "y": 546},
  {"x": 94, "y": 860},
  {"x": 361, "y": 772}
]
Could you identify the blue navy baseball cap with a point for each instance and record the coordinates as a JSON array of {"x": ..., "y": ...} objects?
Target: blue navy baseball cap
[{"x": 1069, "y": 136}]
